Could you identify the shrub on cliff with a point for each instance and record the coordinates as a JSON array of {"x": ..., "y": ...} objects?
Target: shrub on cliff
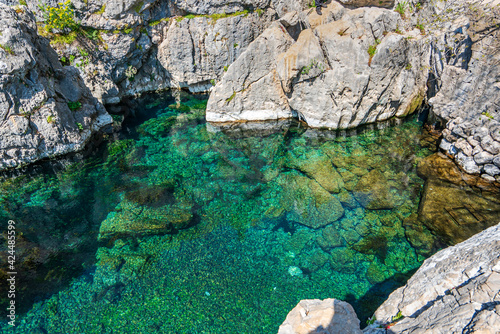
[{"x": 60, "y": 18}]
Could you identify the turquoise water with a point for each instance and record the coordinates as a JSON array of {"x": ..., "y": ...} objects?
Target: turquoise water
[{"x": 178, "y": 226}]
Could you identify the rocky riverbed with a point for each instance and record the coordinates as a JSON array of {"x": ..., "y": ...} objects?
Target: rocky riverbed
[{"x": 339, "y": 66}]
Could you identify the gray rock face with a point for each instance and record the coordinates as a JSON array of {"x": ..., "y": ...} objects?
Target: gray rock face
[
  {"x": 314, "y": 316},
  {"x": 327, "y": 76},
  {"x": 456, "y": 290},
  {"x": 368, "y": 3},
  {"x": 218, "y": 6},
  {"x": 249, "y": 89},
  {"x": 36, "y": 94},
  {"x": 196, "y": 51},
  {"x": 145, "y": 46},
  {"x": 468, "y": 100}
]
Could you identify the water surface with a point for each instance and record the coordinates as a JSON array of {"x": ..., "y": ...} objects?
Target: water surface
[{"x": 178, "y": 226}]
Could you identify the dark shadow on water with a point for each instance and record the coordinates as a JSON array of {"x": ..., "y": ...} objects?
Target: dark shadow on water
[{"x": 366, "y": 305}]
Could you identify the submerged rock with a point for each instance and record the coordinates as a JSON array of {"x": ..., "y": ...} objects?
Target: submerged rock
[
  {"x": 374, "y": 192},
  {"x": 318, "y": 166},
  {"x": 131, "y": 219},
  {"x": 314, "y": 316},
  {"x": 454, "y": 213},
  {"x": 311, "y": 204},
  {"x": 45, "y": 108}
]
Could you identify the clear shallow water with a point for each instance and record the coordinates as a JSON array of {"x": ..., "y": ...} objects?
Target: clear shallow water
[{"x": 199, "y": 229}]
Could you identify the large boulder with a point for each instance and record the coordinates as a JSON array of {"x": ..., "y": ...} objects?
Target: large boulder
[
  {"x": 251, "y": 89},
  {"x": 307, "y": 202},
  {"x": 347, "y": 69},
  {"x": 454, "y": 291},
  {"x": 45, "y": 108},
  {"x": 314, "y": 316},
  {"x": 373, "y": 192}
]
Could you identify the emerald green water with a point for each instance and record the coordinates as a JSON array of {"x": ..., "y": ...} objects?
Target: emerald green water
[{"x": 178, "y": 226}]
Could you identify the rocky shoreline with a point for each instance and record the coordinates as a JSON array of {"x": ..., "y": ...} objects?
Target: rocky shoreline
[
  {"x": 350, "y": 63},
  {"x": 454, "y": 291}
]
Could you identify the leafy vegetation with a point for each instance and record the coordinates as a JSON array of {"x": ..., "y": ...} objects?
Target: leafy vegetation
[
  {"x": 101, "y": 11},
  {"x": 213, "y": 17},
  {"x": 397, "y": 317},
  {"x": 59, "y": 18},
  {"x": 229, "y": 99},
  {"x": 487, "y": 114},
  {"x": 130, "y": 72},
  {"x": 401, "y": 8},
  {"x": 7, "y": 49},
  {"x": 372, "y": 49},
  {"x": 421, "y": 27},
  {"x": 313, "y": 64},
  {"x": 73, "y": 106},
  {"x": 80, "y": 126}
]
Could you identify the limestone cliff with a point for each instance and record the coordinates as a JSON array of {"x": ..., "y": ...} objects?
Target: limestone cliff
[{"x": 45, "y": 109}]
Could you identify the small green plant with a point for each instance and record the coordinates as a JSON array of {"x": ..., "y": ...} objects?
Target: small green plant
[
  {"x": 401, "y": 8},
  {"x": 371, "y": 320},
  {"x": 212, "y": 82},
  {"x": 397, "y": 317},
  {"x": 116, "y": 118},
  {"x": 73, "y": 106},
  {"x": 421, "y": 27},
  {"x": 63, "y": 59},
  {"x": 7, "y": 49},
  {"x": 418, "y": 6},
  {"x": 229, "y": 99},
  {"x": 92, "y": 34},
  {"x": 154, "y": 23},
  {"x": 312, "y": 4},
  {"x": 487, "y": 114},
  {"x": 259, "y": 11},
  {"x": 130, "y": 72},
  {"x": 60, "y": 18},
  {"x": 22, "y": 2},
  {"x": 342, "y": 32},
  {"x": 50, "y": 119},
  {"x": 235, "y": 45},
  {"x": 137, "y": 8},
  {"x": 127, "y": 30},
  {"x": 313, "y": 64},
  {"x": 372, "y": 50},
  {"x": 79, "y": 126},
  {"x": 71, "y": 59},
  {"x": 101, "y": 10},
  {"x": 225, "y": 68},
  {"x": 408, "y": 67}
]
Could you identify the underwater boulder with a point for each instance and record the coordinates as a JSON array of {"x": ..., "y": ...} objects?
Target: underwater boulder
[
  {"x": 135, "y": 220},
  {"x": 318, "y": 166},
  {"x": 374, "y": 193},
  {"x": 308, "y": 202},
  {"x": 454, "y": 213}
]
